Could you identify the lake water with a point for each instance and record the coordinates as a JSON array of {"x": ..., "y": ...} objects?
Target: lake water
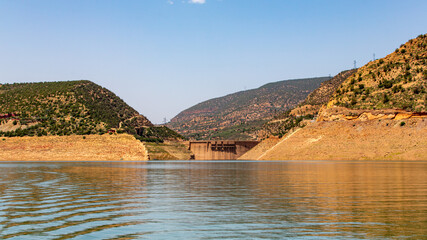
[{"x": 213, "y": 200}]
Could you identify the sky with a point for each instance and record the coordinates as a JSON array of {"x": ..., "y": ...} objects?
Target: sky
[{"x": 163, "y": 56}]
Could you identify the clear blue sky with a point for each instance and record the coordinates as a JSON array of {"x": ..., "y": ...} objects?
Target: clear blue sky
[{"x": 163, "y": 56}]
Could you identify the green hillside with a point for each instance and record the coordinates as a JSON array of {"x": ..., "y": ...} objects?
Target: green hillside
[
  {"x": 67, "y": 108},
  {"x": 240, "y": 115}
]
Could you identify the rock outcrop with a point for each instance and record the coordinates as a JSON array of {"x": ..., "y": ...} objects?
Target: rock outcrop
[{"x": 345, "y": 114}]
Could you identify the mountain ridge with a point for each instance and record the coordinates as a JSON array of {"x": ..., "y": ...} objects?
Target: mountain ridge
[{"x": 210, "y": 118}]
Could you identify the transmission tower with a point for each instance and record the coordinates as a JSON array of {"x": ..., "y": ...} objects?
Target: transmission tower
[
  {"x": 374, "y": 57},
  {"x": 354, "y": 64}
]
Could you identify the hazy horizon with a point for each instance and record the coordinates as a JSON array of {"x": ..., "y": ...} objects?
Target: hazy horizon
[{"x": 165, "y": 56}]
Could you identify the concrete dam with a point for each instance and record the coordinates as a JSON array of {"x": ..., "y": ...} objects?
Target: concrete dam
[{"x": 220, "y": 150}]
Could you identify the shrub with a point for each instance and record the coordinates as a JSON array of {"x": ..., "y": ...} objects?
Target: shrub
[
  {"x": 386, "y": 99},
  {"x": 386, "y": 84},
  {"x": 368, "y": 91},
  {"x": 416, "y": 90},
  {"x": 357, "y": 91},
  {"x": 402, "y": 124},
  {"x": 396, "y": 89}
]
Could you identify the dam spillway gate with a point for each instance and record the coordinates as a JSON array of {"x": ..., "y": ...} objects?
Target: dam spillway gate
[{"x": 220, "y": 150}]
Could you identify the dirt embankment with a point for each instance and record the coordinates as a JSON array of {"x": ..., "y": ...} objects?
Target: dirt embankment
[
  {"x": 380, "y": 139},
  {"x": 76, "y": 147},
  {"x": 169, "y": 150},
  {"x": 260, "y": 149}
]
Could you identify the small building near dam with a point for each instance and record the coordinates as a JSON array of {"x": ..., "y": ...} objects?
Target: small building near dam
[{"x": 220, "y": 150}]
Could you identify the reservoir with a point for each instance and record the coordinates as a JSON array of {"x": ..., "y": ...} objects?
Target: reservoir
[{"x": 213, "y": 200}]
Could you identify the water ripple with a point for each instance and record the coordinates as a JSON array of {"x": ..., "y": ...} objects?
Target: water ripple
[{"x": 227, "y": 200}]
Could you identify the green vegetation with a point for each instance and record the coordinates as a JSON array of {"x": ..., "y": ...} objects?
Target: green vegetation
[
  {"x": 62, "y": 108},
  {"x": 398, "y": 81},
  {"x": 69, "y": 108},
  {"x": 156, "y": 134}
]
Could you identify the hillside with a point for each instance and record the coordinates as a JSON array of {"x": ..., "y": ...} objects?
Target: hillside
[
  {"x": 397, "y": 81},
  {"x": 69, "y": 108},
  {"x": 378, "y": 112},
  {"x": 240, "y": 115},
  {"x": 307, "y": 110}
]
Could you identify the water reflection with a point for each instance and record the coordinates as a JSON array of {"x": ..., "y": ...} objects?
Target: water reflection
[{"x": 211, "y": 200}]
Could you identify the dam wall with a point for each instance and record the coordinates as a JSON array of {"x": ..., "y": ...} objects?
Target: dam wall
[{"x": 220, "y": 150}]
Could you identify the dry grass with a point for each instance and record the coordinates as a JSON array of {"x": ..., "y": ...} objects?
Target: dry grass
[{"x": 69, "y": 148}]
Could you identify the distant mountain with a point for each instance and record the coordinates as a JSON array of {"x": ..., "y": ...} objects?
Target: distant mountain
[
  {"x": 68, "y": 108},
  {"x": 239, "y": 115}
]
